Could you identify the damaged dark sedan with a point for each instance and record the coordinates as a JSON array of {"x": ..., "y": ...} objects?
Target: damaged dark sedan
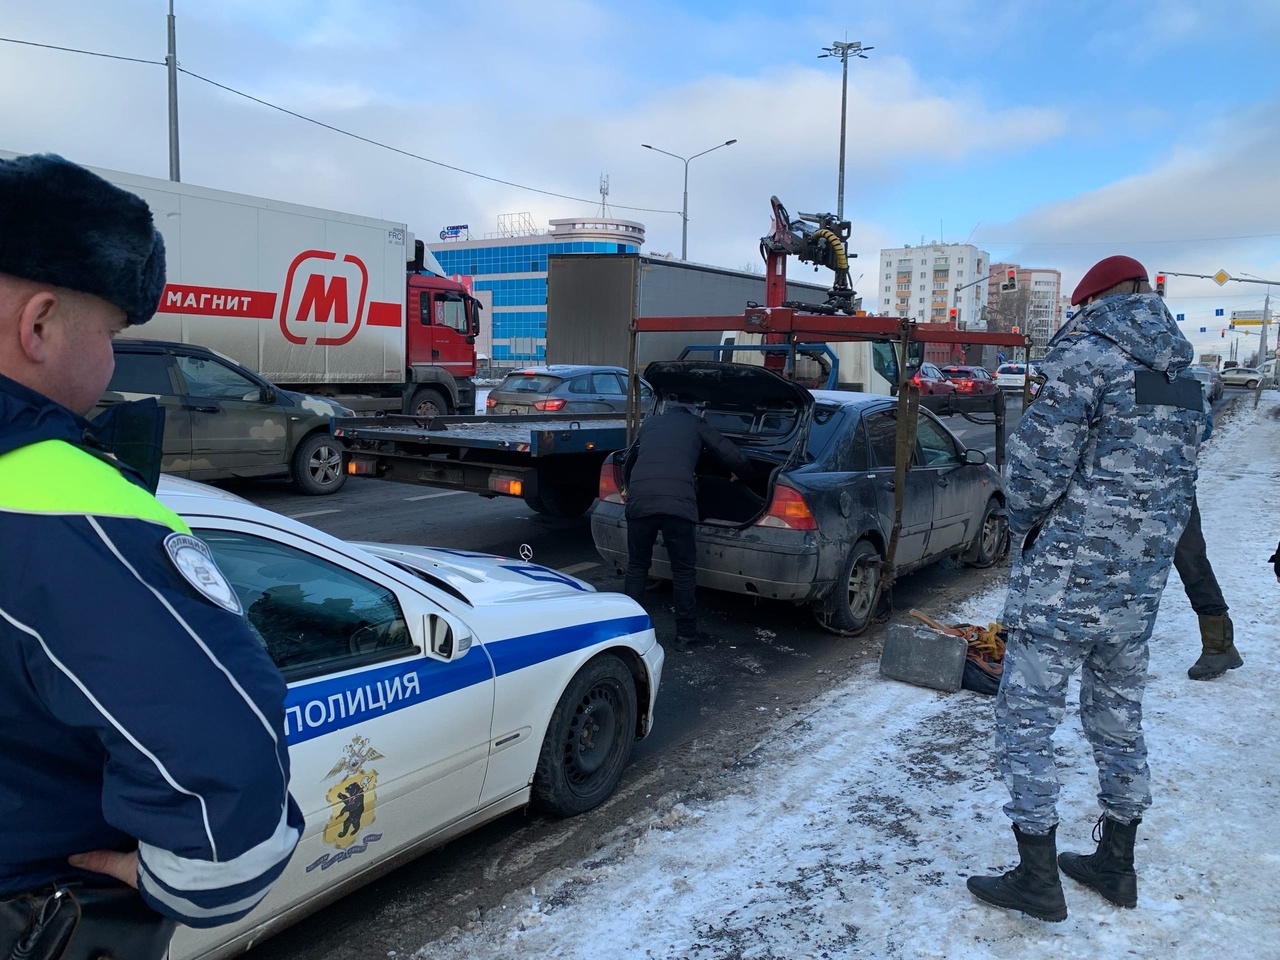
[{"x": 813, "y": 522}]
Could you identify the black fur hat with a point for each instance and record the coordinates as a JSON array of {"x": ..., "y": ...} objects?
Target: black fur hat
[{"x": 62, "y": 225}]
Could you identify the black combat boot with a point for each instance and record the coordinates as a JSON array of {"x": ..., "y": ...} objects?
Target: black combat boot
[
  {"x": 1219, "y": 653},
  {"x": 1033, "y": 885},
  {"x": 1108, "y": 870}
]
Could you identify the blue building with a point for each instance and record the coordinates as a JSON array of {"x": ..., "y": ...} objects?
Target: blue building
[{"x": 513, "y": 269}]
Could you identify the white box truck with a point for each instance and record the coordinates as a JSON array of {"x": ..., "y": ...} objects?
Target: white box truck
[{"x": 322, "y": 302}]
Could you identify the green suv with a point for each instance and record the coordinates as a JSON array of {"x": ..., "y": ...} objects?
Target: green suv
[{"x": 223, "y": 421}]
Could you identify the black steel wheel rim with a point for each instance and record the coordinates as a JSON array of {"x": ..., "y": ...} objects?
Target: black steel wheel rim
[{"x": 591, "y": 741}]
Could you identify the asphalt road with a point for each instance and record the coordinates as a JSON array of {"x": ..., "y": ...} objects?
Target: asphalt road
[{"x": 766, "y": 662}]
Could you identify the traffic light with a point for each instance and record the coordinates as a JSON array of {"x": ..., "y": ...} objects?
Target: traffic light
[
  {"x": 1224, "y": 334},
  {"x": 1160, "y": 285},
  {"x": 952, "y": 314},
  {"x": 1010, "y": 281}
]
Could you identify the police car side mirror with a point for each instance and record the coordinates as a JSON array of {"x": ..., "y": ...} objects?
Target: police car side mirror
[
  {"x": 447, "y": 638},
  {"x": 975, "y": 457}
]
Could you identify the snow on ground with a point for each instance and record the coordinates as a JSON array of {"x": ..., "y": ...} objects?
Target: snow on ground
[{"x": 851, "y": 832}]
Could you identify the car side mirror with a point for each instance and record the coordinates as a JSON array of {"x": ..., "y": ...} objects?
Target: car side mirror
[
  {"x": 975, "y": 457},
  {"x": 448, "y": 638}
]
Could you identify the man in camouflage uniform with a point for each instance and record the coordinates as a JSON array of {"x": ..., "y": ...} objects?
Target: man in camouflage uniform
[{"x": 1100, "y": 483}]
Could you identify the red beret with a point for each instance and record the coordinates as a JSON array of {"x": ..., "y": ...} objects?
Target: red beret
[{"x": 1105, "y": 274}]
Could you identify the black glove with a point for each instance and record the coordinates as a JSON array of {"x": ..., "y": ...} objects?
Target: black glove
[{"x": 1274, "y": 560}]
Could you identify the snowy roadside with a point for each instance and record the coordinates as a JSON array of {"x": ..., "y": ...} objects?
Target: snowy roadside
[{"x": 850, "y": 833}]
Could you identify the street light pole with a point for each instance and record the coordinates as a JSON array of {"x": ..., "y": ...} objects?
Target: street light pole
[
  {"x": 843, "y": 50},
  {"x": 171, "y": 61},
  {"x": 684, "y": 212}
]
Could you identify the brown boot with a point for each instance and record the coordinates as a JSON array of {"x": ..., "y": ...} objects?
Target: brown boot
[{"x": 1219, "y": 653}]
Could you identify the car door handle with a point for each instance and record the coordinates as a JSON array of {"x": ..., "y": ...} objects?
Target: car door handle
[
  {"x": 202, "y": 409},
  {"x": 943, "y": 481}
]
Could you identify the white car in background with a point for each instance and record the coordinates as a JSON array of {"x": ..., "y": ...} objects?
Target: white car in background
[
  {"x": 438, "y": 688},
  {"x": 1012, "y": 376}
]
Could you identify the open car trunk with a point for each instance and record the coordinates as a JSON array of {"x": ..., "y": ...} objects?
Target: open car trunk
[
  {"x": 766, "y": 416},
  {"x": 734, "y": 502}
]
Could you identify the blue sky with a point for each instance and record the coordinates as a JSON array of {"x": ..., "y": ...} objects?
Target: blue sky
[{"x": 1053, "y": 133}]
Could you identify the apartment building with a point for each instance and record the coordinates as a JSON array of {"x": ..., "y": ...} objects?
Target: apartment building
[
  {"x": 929, "y": 281},
  {"x": 1035, "y": 307}
]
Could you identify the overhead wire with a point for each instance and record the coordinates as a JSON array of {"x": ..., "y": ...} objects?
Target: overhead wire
[{"x": 340, "y": 130}]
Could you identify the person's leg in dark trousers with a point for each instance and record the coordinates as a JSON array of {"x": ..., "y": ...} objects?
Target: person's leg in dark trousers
[
  {"x": 1218, "y": 652},
  {"x": 641, "y": 534},
  {"x": 1192, "y": 562},
  {"x": 682, "y": 551}
]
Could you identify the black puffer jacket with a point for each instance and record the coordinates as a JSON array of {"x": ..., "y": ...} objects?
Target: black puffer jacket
[{"x": 658, "y": 472}]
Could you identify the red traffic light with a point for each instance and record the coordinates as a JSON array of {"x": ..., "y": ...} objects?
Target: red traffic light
[{"x": 952, "y": 313}]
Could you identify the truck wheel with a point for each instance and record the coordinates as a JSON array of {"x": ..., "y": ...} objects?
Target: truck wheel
[
  {"x": 588, "y": 741},
  {"x": 318, "y": 466},
  {"x": 562, "y": 500},
  {"x": 534, "y": 502},
  {"x": 428, "y": 402},
  {"x": 853, "y": 599}
]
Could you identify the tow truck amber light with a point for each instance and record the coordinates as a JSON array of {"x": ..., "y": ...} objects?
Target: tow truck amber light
[
  {"x": 362, "y": 468},
  {"x": 788, "y": 510},
  {"x": 610, "y": 489},
  {"x": 550, "y": 406},
  {"x": 508, "y": 485}
]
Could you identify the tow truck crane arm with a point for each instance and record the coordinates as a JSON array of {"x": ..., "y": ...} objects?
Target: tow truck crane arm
[{"x": 824, "y": 244}]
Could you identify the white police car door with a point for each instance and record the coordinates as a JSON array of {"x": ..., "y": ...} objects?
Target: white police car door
[{"x": 388, "y": 741}]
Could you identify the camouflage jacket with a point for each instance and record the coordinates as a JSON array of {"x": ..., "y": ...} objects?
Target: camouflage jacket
[{"x": 1102, "y": 466}]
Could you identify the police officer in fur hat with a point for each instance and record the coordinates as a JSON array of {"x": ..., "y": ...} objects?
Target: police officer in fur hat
[
  {"x": 1101, "y": 479},
  {"x": 141, "y": 723}
]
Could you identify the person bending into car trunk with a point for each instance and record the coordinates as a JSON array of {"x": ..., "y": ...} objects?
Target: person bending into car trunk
[
  {"x": 1101, "y": 479},
  {"x": 660, "y": 486},
  {"x": 141, "y": 723}
]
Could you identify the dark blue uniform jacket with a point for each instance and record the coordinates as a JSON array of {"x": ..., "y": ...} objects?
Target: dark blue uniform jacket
[{"x": 134, "y": 711}]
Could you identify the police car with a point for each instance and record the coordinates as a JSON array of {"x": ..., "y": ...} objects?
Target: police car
[{"x": 430, "y": 691}]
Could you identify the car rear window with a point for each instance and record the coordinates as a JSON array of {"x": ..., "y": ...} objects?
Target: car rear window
[
  {"x": 959, "y": 372},
  {"x": 823, "y": 429},
  {"x": 529, "y": 383}
]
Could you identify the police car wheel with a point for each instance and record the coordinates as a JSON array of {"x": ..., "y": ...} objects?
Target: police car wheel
[
  {"x": 588, "y": 741},
  {"x": 993, "y": 538},
  {"x": 318, "y": 467}
]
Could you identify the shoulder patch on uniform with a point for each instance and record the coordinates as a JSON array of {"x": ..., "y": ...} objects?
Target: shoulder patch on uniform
[{"x": 196, "y": 564}]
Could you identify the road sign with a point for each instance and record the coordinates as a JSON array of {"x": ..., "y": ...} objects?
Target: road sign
[
  {"x": 1181, "y": 317},
  {"x": 1217, "y": 312},
  {"x": 1246, "y": 323},
  {"x": 1202, "y": 329},
  {"x": 1221, "y": 277}
]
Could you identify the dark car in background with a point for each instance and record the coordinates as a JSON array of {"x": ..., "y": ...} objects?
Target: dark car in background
[
  {"x": 971, "y": 381},
  {"x": 811, "y": 525},
  {"x": 564, "y": 388},
  {"x": 223, "y": 421}
]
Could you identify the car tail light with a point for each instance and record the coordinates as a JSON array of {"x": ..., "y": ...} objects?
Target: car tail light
[
  {"x": 610, "y": 483},
  {"x": 490, "y": 403},
  {"x": 789, "y": 510},
  {"x": 550, "y": 406}
]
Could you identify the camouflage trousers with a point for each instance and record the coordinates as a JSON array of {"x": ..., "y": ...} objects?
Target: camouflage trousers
[{"x": 1031, "y": 703}]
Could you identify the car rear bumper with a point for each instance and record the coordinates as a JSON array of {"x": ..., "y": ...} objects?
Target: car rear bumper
[{"x": 755, "y": 561}]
